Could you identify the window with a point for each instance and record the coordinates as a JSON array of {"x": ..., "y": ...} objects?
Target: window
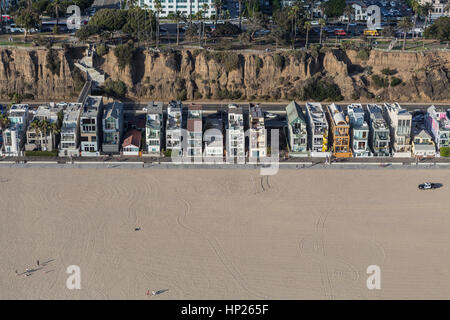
[{"x": 110, "y": 123}]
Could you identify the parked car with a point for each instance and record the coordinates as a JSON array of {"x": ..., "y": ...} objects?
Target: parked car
[
  {"x": 340, "y": 32},
  {"x": 314, "y": 23},
  {"x": 429, "y": 185}
]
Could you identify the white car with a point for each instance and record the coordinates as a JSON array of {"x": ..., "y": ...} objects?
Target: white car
[{"x": 314, "y": 23}]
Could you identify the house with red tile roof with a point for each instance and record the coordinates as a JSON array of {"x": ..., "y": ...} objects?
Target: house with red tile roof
[{"x": 132, "y": 143}]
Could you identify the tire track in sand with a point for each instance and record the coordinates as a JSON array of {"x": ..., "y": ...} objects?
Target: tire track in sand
[
  {"x": 328, "y": 265},
  {"x": 218, "y": 251}
]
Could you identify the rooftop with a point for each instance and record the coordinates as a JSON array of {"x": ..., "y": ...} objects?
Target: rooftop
[
  {"x": 357, "y": 116},
  {"x": 255, "y": 111},
  {"x": 294, "y": 112},
  {"x": 132, "y": 137},
  {"x": 91, "y": 106},
  {"x": 113, "y": 109},
  {"x": 72, "y": 112},
  {"x": 376, "y": 117},
  {"x": 441, "y": 116},
  {"x": 235, "y": 109},
  {"x": 155, "y": 107},
  {"x": 337, "y": 115}
]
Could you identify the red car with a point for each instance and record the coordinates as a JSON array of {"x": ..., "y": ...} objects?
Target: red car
[{"x": 340, "y": 32}]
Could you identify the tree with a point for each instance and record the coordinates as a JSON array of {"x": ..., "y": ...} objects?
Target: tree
[
  {"x": 55, "y": 129},
  {"x": 334, "y": 8},
  {"x": 322, "y": 23},
  {"x": 307, "y": 28},
  {"x": 37, "y": 128},
  {"x": 4, "y": 123},
  {"x": 405, "y": 25},
  {"x": 415, "y": 6},
  {"x": 218, "y": 7},
  {"x": 426, "y": 10},
  {"x": 205, "y": 8},
  {"x": 158, "y": 8},
  {"x": 57, "y": 6},
  {"x": 44, "y": 128},
  {"x": 293, "y": 14},
  {"x": 178, "y": 16},
  {"x": 439, "y": 30},
  {"x": 348, "y": 11},
  {"x": 240, "y": 14},
  {"x": 27, "y": 19}
]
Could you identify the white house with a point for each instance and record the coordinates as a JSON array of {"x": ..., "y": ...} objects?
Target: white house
[
  {"x": 235, "y": 136},
  {"x": 213, "y": 138},
  {"x": 70, "y": 132},
  {"x": 14, "y": 135},
  {"x": 173, "y": 128},
  {"x": 153, "y": 127},
  {"x": 399, "y": 121},
  {"x": 257, "y": 146}
]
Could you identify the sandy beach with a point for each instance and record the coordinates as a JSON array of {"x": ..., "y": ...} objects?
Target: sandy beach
[{"x": 223, "y": 234}]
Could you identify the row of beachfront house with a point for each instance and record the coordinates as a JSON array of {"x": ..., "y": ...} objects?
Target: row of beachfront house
[
  {"x": 97, "y": 127},
  {"x": 374, "y": 130}
]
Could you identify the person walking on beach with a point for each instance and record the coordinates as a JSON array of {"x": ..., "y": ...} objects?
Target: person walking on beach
[{"x": 37, "y": 263}]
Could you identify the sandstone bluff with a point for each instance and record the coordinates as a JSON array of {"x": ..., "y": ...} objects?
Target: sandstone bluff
[{"x": 204, "y": 75}]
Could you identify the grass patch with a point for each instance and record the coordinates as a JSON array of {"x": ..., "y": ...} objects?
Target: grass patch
[{"x": 53, "y": 153}]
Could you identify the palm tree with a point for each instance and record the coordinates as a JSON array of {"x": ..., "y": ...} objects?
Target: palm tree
[
  {"x": 322, "y": 23},
  {"x": 56, "y": 4},
  {"x": 293, "y": 14},
  {"x": 240, "y": 14},
  {"x": 35, "y": 125},
  {"x": 205, "y": 8},
  {"x": 158, "y": 8},
  {"x": 44, "y": 127},
  {"x": 348, "y": 11},
  {"x": 54, "y": 129},
  {"x": 178, "y": 16},
  {"x": 4, "y": 123},
  {"x": 217, "y": 6},
  {"x": 405, "y": 24},
  {"x": 307, "y": 27},
  {"x": 416, "y": 9},
  {"x": 190, "y": 12},
  {"x": 426, "y": 10}
]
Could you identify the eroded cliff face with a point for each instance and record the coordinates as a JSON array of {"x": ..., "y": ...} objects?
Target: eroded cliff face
[
  {"x": 202, "y": 75},
  {"x": 24, "y": 71},
  {"x": 425, "y": 77}
]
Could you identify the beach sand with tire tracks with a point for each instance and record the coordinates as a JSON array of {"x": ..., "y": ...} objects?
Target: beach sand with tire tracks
[{"x": 223, "y": 234}]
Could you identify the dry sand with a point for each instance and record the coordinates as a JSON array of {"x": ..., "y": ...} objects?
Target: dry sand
[{"x": 224, "y": 234}]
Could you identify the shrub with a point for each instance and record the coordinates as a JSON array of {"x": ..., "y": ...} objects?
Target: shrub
[
  {"x": 116, "y": 89},
  {"x": 124, "y": 54},
  {"x": 380, "y": 82},
  {"x": 53, "y": 62},
  {"x": 355, "y": 95},
  {"x": 182, "y": 95},
  {"x": 101, "y": 50},
  {"x": 279, "y": 61},
  {"x": 395, "y": 81},
  {"x": 174, "y": 61},
  {"x": 388, "y": 71},
  {"x": 445, "y": 151},
  {"x": 226, "y": 29},
  {"x": 363, "y": 54},
  {"x": 197, "y": 95},
  {"x": 229, "y": 60},
  {"x": 86, "y": 31},
  {"x": 320, "y": 90}
]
